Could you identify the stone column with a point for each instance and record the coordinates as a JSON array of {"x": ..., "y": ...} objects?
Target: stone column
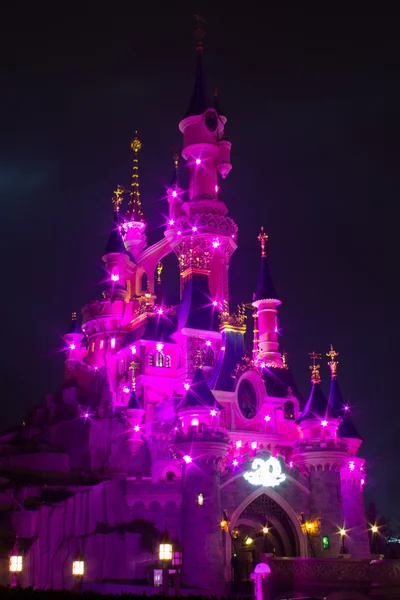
[{"x": 203, "y": 555}]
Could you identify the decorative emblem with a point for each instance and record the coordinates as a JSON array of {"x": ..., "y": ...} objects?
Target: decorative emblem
[
  {"x": 247, "y": 399},
  {"x": 267, "y": 473},
  {"x": 211, "y": 120}
]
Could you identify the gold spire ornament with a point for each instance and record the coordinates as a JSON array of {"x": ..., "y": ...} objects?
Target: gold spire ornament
[
  {"x": 284, "y": 360},
  {"x": 333, "y": 363},
  {"x": 117, "y": 198},
  {"x": 159, "y": 271},
  {"x": 74, "y": 316},
  {"x": 134, "y": 212},
  {"x": 314, "y": 368},
  {"x": 262, "y": 238}
]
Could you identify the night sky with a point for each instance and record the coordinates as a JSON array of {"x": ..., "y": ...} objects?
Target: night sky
[{"x": 311, "y": 101}]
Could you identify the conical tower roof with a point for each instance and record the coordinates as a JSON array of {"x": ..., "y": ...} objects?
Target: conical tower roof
[
  {"x": 347, "y": 429},
  {"x": 198, "y": 101},
  {"x": 265, "y": 287},
  {"x": 75, "y": 327},
  {"x": 115, "y": 242},
  {"x": 199, "y": 394}
]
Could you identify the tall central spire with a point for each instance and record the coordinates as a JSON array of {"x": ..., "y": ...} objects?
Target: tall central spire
[
  {"x": 198, "y": 102},
  {"x": 134, "y": 212}
]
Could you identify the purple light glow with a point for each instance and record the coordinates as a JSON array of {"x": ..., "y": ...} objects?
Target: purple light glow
[
  {"x": 187, "y": 459},
  {"x": 198, "y": 161},
  {"x": 276, "y": 330},
  {"x": 136, "y": 428},
  {"x": 213, "y": 412},
  {"x": 208, "y": 343},
  {"x": 133, "y": 349},
  {"x": 223, "y": 348},
  {"x": 267, "y": 418},
  {"x": 114, "y": 277},
  {"x": 362, "y": 481},
  {"x": 126, "y": 390},
  {"x": 215, "y": 303},
  {"x": 216, "y": 189},
  {"x": 160, "y": 311},
  {"x": 352, "y": 465},
  {"x": 179, "y": 232},
  {"x": 186, "y": 385},
  {"x": 235, "y": 462},
  {"x": 324, "y": 423},
  {"x": 171, "y": 222},
  {"x": 262, "y": 365},
  {"x": 159, "y": 346},
  {"x": 216, "y": 243},
  {"x": 112, "y": 342},
  {"x": 291, "y": 464},
  {"x": 86, "y": 415},
  {"x": 253, "y": 445},
  {"x": 347, "y": 407},
  {"x": 194, "y": 422},
  {"x": 72, "y": 346},
  {"x": 174, "y": 194},
  {"x": 194, "y": 228},
  {"x": 239, "y": 444}
]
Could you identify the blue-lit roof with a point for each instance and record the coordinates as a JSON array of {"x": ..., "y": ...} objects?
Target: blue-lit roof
[
  {"x": 115, "y": 242},
  {"x": 265, "y": 287},
  {"x": 317, "y": 405},
  {"x": 198, "y": 101},
  {"x": 75, "y": 327},
  {"x": 335, "y": 399},
  {"x": 221, "y": 378},
  {"x": 134, "y": 402},
  {"x": 199, "y": 394},
  {"x": 347, "y": 429},
  {"x": 196, "y": 309}
]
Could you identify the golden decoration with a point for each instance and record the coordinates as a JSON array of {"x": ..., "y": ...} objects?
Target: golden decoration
[
  {"x": 117, "y": 198},
  {"x": 311, "y": 527},
  {"x": 333, "y": 363},
  {"x": 159, "y": 271},
  {"x": 262, "y": 238},
  {"x": 314, "y": 368},
  {"x": 284, "y": 360}
]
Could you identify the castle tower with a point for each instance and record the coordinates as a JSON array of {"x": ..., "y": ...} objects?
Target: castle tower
[
  {"x": 134, "y": 225},
  {"x": 266, "y": 301},
  {"x": 199, "y": 230},
  {"x": 115, "y": 257},
  {"x": 202, "y": 448},
  {"x": 73, "y": 337},
  {"x": 321, "y": 456}
]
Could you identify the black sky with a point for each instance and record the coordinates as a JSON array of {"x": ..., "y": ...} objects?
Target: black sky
[{"x": 312, "y": 100}]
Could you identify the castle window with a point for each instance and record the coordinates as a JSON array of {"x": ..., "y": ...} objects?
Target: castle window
[
  {"x": 92, "y": 347},
  {"x": 168, "y": 362},
  {"x": 101, "y": 344},
  {"x": 288, "y": 410},
  {"x": 209, "y": 359},
  {"x": 144, "y": 283},
  {"x": 151, "y": 360},
  {"x": 159, "y": 359},
  {"x": 170, "y": 476}
]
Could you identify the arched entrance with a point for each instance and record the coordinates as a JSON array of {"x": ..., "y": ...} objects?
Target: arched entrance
[{"x": 263, "y": 524}]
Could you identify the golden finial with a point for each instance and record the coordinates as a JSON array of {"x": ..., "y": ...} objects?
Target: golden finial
[
  {"x": 199, "y": 33},
  {"x": 132, "y": 368},
  {"x": 262, "y": 238},
  {"x": 314, "y": 368},
  {"x": 159, "y": 271},
  {"x": 134, "y": 212},
  {"x": 74, "y": 316},
  {"x": 117, "y": 198},
  {"x": 198, "y": 357},
  {"x": 333, "y": 363},
  {"x": 284, "y": 360}
]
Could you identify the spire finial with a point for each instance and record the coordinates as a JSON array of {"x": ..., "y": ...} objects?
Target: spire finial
[
  {"x": 284, "y": 360},
  {"x": 262, "y": 238},
  {"x": 132, "y": 368},
  {"x": 159, "y": 271},
  {"x": 199, "y": 33},
  {"x": 117, "y": 198},
  {"x": 134, "y": 212},
  {"x": 74, "y": 316},
  {"x": 333, "y": 363},
  {"x": 314, "y": 368}
]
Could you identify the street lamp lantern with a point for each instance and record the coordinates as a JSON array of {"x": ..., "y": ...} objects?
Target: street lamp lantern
[
  {"x": 15, "y": 564},
  {"x": 165, "y": 549},
  {"x": 78, "y": 565},
  {"x": 342, "y": 532}
]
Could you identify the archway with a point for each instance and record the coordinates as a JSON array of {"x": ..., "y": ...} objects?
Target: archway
[{"x": 264, "y": 523}]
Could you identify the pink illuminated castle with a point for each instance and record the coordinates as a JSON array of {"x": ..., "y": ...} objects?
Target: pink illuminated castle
[{"x": 165, "y": 420}]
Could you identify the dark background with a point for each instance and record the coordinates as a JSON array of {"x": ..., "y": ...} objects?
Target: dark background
[{"x": 312, "y": 100}]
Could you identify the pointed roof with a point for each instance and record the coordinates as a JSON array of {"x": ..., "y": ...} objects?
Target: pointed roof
[
  {"x": 265, "y": 287},
  {"x": 134, "y": 211},
  {"x": 347, "y": 429},
  {"x": 317, "y": 405},
  {"x": 198, "y": 101},
  {"x": 74, "y": 327},
  {"x": 229, "y": 357},
  {"x": 217, "y": 104},
  {"x": 134, "y": 402},
  {"x": 196, "y": 310},
  {"x": 199, "y": 394},
  {"x": 115, "y": 242},
  {"x": 335, "y": 399}
]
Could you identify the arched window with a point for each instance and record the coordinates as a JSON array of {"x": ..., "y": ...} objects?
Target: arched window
[
  {"x": 288, "y": 410},
  {"x": 151, "y": 360},
  {"x": 170, "y": 476},
  {"x": 159, "y": 359},
  {"x": 209, "y": 359},
  {"x": 168, "y": 362},
  {"x": 144, "y": 284}
]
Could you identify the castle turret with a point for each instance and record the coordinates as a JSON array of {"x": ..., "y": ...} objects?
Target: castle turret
[
  {"x": 115, "y": 256},
  {"x": 266, "y": 301},
  {"x": 73, "y": 338}
]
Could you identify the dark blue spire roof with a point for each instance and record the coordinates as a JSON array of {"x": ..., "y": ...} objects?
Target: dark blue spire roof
[
  {"x": 196, "y": 309},
  {"x": 134, "y": 402},
  {"x": 347, "y": 429},
  {"x": 278, "y": 381},
  {"x": 221, "y": 378},
  {"x": 74, "y": 327},
  {"x": 265, "y": 287},
  {"x": 317, "y": 405},
  {"x": 115, "y": 242},
  {"x": 335, "y": 399},
  {"x": 198, "y": 102},
  {"x": 199, "y": 394},
  {"x": 217, "y": 104}
]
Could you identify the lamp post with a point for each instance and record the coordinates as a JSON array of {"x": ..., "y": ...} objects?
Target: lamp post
[
  {"x": 165, "y": 556},
  {"x": 342, "y": 532},
  {"x": 374, "y": 531},
  {"x": 177, "y": 563},
  {"x": 78, "y": 571},
  {"x": 15, "y": 564}
]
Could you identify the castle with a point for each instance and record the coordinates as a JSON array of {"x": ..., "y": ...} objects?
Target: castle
[{"x": 164, "y": 421}]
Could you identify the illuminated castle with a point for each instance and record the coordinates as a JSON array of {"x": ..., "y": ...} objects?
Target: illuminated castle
[{"x": 163, "y": 419}]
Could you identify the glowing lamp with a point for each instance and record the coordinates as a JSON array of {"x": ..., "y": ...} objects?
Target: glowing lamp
[
  {"x": 235, "y": 462},
  {"x": 324, "y": 423},
  {"x": 253, "y": 445},
  {"x": 362, "y": 481},
  {"x": 174, "y": 194},
  {"x": 374, "y": 529},
  {"x": 208, "y": 343},
  {"x": 194, "y": 228},
  {"x": 249, "y": 540},
  {"x": 262, "y": 365},
  {"x": 86, "y": 415},
  {"x": 291, "y": 464},
  {"x": 352, "y": 465},
  {"x": 198, "y": 161},
  {"x": 165, "y": 551},
  {"x": 72, "y": 346},
  {"x": 276, "y": 330},
  {"x": 133, "y": 349},
  {"x": 15, "y": 564},
  {"x": 126, "y": 390},
  {"x": 186, "y": 385},
  {"x": 325, "y": 542},
  {"x": 200, "y": 499},
  {"x": 78, "y": 567},
  {"x": 179, "y": 232},
  {"x": 265, "y": 530},
  {"x": 194, "y": 422},
  {"x": 239, "y": 444},
  {"x": 130, "y": 224},
  {"x": 342, "y": 531},
  {"x": 160, "y": 311},
  {"x": 215, "y": 303},
  {"x": 213, "y": 412},
  {"x": 159, "y": 346},
  {"x": 114, "y": 277},
  {"x": 267, "y": 418},
  {"x": 136, "y": 428},
  {"x": 216, "y": 189},
  {"x": 224, "y": 525},
  {"x": 347, "y": 407},
  {"x": 223, "y": 348},
  {"x": 171, "y": 222},
  {"x": 113, "y": 342},
  {"x": 187, "y": 459},
  {"x": 216, "y": 243}
]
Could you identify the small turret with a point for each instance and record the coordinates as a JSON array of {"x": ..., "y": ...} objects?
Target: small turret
[
  {"x": 115, "y": 256},
  {"x": 266, "y": 301},
  {"x": 74, "y": 337}
]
